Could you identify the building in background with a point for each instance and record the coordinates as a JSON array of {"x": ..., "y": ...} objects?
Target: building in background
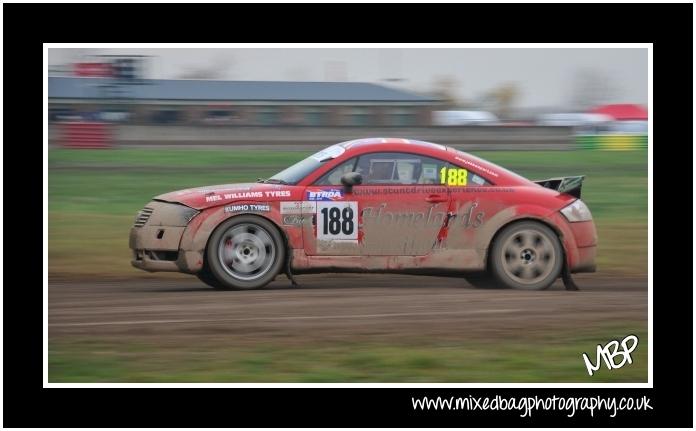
[{"x": 101, "y": 95}]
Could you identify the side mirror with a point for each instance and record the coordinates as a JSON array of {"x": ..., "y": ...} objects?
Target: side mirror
[{"x": 351, "y": 179}]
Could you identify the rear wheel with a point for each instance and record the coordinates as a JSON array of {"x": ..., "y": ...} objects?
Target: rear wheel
[
  {"x": 244, "y": 252},
  {"x": 526, "y": 255}
]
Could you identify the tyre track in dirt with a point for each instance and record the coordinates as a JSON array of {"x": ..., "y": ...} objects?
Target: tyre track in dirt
[{"x": 345, "y": 307}]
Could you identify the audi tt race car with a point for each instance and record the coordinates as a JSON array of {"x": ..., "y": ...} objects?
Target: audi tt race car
[{"x": 374, "y": 205}]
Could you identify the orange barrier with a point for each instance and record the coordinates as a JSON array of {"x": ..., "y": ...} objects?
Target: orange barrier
[{"x": 86, "y": 134}]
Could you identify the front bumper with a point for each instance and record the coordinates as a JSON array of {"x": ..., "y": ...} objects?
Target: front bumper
[
  {"x": 162, "y": 254},
  {"x": 156, "y": 248},
  {"x": 156, "y": 245}
]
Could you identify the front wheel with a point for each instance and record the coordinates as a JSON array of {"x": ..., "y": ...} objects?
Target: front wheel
[
  {"x": 208, "y": 278},
  {"x": 526, "y": 255},
  {"x": 245, "y": 252}
]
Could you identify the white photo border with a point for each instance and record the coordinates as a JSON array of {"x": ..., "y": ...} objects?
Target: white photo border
[{"x": 47, "y": 46}]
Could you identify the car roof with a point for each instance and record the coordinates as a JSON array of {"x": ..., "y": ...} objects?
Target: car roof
[{"x": 378, "y": 142}]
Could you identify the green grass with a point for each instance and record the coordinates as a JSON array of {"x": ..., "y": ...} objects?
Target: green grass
[
  {"x": 94, "y": 194},
  {"x": 174, "y": 158},
  {"x": 556, "y": 358}
]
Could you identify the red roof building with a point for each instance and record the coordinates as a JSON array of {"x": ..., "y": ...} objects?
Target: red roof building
[{"x": 622, "y": 111}]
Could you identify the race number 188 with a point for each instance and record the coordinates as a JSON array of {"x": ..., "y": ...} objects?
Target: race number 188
[
  {"x": 337, "y": 220},
  {"x": 453, "y": 176}
]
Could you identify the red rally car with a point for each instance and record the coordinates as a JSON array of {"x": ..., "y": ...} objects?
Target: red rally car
[{"x": 374, "y": 205}]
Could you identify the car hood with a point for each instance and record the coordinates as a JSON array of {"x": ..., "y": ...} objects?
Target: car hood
[{"x": 210, "y": 196}]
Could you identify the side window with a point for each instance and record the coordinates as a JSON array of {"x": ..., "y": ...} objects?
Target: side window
[
  {"x": 402, "y": 168},
  {"x": 475, "y": 180},
  {"x": 333, "y": 177},
  {"x": 399, "y": 168}
]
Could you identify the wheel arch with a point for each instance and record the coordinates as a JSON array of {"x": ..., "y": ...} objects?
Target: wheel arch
[
  {"x": 271, "y": 265},
  {"x": 283, "y": 234},
  {"x": 198, "y": 234},
  {"x": 554, "y": 228}
]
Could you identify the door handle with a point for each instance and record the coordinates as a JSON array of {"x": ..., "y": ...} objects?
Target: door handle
[{"x": 436, "y": 198}]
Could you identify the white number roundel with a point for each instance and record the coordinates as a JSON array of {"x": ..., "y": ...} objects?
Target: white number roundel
[{"x": 337, "y": 220}]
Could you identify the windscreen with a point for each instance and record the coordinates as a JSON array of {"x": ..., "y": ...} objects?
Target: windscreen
[{"x": 301, "y": 169}]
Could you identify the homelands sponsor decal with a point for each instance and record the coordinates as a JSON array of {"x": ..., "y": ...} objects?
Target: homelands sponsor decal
[
  {"x": 465, "y": 217},
  {"x": 324, "y": 195}
]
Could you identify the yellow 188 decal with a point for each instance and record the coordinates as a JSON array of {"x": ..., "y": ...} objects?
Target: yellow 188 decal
[{"x": 453, "y": 176}]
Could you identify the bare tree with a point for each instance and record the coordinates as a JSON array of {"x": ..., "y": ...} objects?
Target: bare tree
[
  {"x": 444, "y": 88},
  {"x": 501, "y": 99},
  {"x": 591, "y": 88}
]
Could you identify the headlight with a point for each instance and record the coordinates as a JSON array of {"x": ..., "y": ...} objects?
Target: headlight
[
  {"x": 187, "y": 214},
  {"x": 165, "y": 214},
  {"x": 577, "y": 211}
]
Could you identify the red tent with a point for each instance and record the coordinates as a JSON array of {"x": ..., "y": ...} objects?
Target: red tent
[{"x": 622, "y": 111}]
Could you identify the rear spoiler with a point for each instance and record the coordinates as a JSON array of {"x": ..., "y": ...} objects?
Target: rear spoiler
[{"x": 569, "y": 185}]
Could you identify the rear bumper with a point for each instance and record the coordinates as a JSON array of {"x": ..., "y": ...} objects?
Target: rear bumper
[
  {"x": 585, "y": 235},
  {"x": 586, "y": 260}
]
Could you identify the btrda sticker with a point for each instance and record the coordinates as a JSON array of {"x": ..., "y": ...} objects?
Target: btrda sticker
[{"x": 324, "y": 195}]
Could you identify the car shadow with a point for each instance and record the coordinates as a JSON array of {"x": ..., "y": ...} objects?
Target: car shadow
[{"x": 336, "y": 282}]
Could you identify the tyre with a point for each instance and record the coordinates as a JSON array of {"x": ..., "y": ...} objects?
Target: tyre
[
  {"x": 245, "y": 252},
  {"x": 208, "y": 278},
  {"x": 526, "y": 255}
]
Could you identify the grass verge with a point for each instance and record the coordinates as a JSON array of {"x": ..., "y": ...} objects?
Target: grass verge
[{"x": 557, "y": 358}]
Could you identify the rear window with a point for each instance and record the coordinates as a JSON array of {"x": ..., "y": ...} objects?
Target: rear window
[{"x": 477, "y": 164}]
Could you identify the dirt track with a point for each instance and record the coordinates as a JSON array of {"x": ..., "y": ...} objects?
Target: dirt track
[{"x": 336, "y": 307}]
